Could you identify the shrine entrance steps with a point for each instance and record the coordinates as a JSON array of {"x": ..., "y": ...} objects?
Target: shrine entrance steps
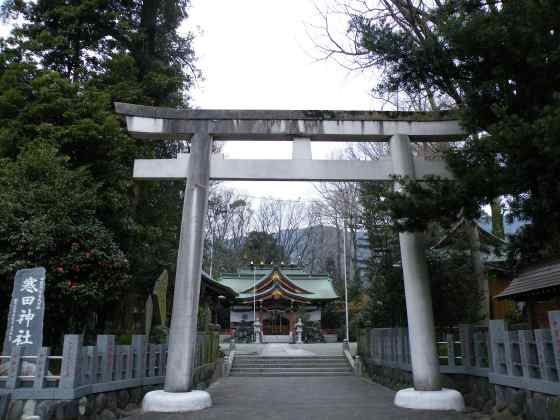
[
  {"x": 277, "y": 339},
  {"x": 283, "y": 366}
]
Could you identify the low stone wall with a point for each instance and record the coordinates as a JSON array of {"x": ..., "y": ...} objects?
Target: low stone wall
[
  {"x": 102, "y": 406},
  {"x": 491, "y": 401}
]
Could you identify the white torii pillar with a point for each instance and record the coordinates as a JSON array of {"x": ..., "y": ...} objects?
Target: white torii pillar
[
  {"x": 427, "y": 392},
  {"x": 177, "y": 395}
]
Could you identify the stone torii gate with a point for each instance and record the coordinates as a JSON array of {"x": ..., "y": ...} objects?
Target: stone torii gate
[{"x": 201, "y": 127}]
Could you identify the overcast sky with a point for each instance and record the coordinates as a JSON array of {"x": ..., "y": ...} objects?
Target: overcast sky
[{"x": 258, "y": 54}]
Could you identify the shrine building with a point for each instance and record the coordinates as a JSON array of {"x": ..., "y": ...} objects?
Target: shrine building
[{"x": 278, "y": 294}]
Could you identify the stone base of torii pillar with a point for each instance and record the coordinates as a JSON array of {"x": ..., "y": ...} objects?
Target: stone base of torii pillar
[
  {"x": 174, "y": 402},
  {"x": 444, "y": 399}
]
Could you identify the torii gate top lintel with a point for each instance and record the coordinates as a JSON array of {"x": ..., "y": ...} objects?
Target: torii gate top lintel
[
  {"x": 300, "y": 127},
  {"x": 317, "y": 125}
]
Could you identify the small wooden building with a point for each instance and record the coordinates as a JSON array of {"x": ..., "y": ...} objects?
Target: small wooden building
[
  {"x": 218, "y": 298},
  {"x": 538, "y": 288}
]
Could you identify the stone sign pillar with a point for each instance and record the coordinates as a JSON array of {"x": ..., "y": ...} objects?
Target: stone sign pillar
[
  {"x": 423, "y": 351},
  {"x": 257, "y": 332},
  {"x": 182, "y": 334},
  {"x": 299, "y": 332},
  {"x": 27, "y": 309}
]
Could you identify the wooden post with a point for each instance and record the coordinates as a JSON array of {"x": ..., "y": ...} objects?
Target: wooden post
[{"x": 70, "y": 371}]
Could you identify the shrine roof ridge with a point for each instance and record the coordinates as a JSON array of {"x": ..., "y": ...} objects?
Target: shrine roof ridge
[{"x": 312, "y": 115}]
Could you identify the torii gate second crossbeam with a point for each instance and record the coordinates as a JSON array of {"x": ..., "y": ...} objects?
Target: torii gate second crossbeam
[{"x": 201, "y": 127}]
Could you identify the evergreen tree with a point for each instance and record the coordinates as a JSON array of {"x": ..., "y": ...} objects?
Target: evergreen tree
[
  {"x": 499, "y": 62},
  {"x": 48, "y": 218},
  {"x": 61, "y": 70},
  {"x": 453, "y": 286},
  {"x": 262, "y": 247}
]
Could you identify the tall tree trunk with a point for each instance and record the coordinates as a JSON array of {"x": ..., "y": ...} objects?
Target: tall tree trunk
[
  {"x": 148, "y": 22},
  {"x": 497, "y": 218},
  {"x": 478, "y": 269}
]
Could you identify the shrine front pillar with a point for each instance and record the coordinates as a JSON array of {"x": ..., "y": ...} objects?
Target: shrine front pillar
[
  {"x": 182, "y": 335},
  {"x": 177, "y": 394},
  {"x": 421, "y": 330}
]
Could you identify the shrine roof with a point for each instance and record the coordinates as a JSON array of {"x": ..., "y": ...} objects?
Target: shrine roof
[
  {"x": 541, "y": 281},
  {"x": 291, "y": 282}
]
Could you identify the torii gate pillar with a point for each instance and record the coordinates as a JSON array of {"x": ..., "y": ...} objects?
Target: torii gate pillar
[
  {"x": 177, "y": 395},
  {"x": 427, "y": 392}
]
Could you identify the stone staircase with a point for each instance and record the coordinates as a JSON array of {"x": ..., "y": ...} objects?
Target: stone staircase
[
  {"x": 276, "y": 339},
  {"x": 290, "y": 366}
]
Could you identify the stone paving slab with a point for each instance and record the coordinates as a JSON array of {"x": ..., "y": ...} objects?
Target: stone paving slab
[{"x": 327, "y": 398}]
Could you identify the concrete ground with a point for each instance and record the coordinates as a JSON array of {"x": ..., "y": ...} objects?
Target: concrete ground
[{"x": 311, "y": 398}]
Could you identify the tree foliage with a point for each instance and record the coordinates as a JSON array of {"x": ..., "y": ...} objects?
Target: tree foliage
[
  {"x": 262, "y": 247},
  {"x": 452, "y": 283},
  {"x": 61, "y": 69},
  {"x": 48, "y": 218},
  {"x": 499, "y": 64}
]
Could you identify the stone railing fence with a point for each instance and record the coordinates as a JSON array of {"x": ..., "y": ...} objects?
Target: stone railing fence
[
  {"x": 83, "y": 370},
  {"x": 524, "y": 359}
]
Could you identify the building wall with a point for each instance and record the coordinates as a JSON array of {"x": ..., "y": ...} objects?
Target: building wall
[
  {"x": 237, "y": 315},
  {"x": 499, "y": 309}
]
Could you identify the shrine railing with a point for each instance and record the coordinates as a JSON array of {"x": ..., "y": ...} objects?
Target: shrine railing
[
  {"x": 525, "y": 359},
  {"x": 83, "y": 370}
]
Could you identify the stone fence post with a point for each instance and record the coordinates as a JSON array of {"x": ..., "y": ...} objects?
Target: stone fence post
[
  {"x": 257, "y": 332},
  {"x": 139, "y": 352},
  {"x": 106, "y": 348},
  {"x": 41, "y": 367},
  {"x": 14, "y": 368},
  {"x": 71, "y": 357}
]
